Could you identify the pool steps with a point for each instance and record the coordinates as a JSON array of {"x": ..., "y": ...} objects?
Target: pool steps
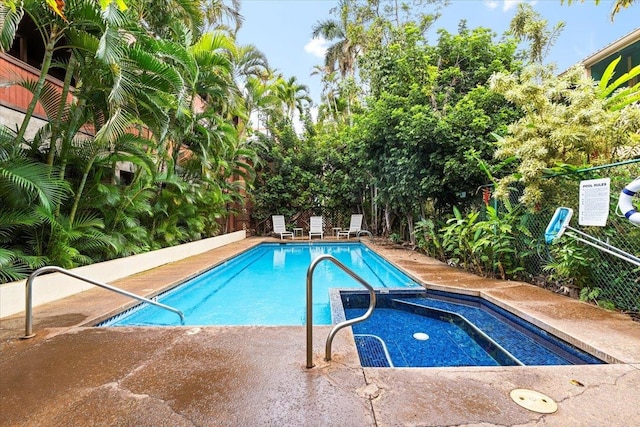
[
  {"x": 495, "y": 350},
  {"x": 372, "y": 351}
]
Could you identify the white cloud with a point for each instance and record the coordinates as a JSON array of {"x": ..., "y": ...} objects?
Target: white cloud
[
  {"x": 317, "y": 47},
  {"x": 508, "y": 4}
]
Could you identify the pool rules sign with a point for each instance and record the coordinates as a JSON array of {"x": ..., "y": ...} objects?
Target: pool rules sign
[{"x": 594, "y": 202}]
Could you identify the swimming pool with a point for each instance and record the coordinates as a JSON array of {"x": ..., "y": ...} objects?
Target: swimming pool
[
  {"x": 432, "y": 328},
  {"x": 266, "y": 285}
]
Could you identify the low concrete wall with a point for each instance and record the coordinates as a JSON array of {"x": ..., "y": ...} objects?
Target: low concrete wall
[{"x": 51, "y": 287}]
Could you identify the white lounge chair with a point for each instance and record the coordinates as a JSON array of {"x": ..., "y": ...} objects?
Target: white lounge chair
[
  {"x": 354, "y": 227},
  {"x": 280, "y": 228},
  {"x": 315, "y": 227}
]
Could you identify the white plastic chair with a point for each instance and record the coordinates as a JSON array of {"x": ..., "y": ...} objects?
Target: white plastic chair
[
  {"x": 280, "y": 228},
  {"x": 354, "y": 227},
  {"x": 315, "y": 227}
]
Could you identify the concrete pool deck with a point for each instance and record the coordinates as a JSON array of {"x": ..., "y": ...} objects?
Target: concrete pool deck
[{"x": 72, "y": 374}]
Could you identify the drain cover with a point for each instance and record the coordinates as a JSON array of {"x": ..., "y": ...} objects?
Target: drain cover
[{"x": 534, "y": 401}]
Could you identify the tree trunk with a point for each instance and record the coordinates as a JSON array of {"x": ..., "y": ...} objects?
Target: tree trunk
[
  {"x": 412, "y": 237},
  {"x": 387, "y": 218},
  {"x": 44, "y": 69},
  {"x": 63, "y": 102},
  {"x": 76, "y": 201}
]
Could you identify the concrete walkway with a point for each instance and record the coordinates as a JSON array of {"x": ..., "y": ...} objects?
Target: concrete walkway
[{"x": 72, "y": 374}]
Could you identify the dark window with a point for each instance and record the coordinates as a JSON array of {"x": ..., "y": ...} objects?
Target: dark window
[
  {"x": 126, "y": 178},
  {"x": 29, "y": 48}
]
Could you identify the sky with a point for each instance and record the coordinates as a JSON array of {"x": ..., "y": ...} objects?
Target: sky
[{"x": 281, "y": 29}]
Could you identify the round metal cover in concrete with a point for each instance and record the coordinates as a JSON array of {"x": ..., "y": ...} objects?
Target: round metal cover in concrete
[{"x": 534, "y": 401}]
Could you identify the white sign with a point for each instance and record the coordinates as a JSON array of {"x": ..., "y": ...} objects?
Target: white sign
[{"x": 594, "y": 202}]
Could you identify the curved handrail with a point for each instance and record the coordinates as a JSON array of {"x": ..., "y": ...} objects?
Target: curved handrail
[
  {"x": 28, "y": 333},
  {"x": 361, "y": 232},
  {"x": 336, "y": 328}
]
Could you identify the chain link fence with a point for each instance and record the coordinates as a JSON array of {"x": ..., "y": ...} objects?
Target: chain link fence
[{"x": 574, "y": 267}]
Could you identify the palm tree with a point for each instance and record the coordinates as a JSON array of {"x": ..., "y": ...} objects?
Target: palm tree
[
  {"x": 342, "y": 54},
  {"x": 215, "y": 11},
  {"x": 330, "y": 92},
  {"x": 292, "y": 95},
  {"x": 157, "y": 16},
  {"x": 249, "y": 66},
  {"x": 52, "y": 29},
  {"x": 28, "y": 190},
  {"x": 260, "y": 97},
  {"x": 135, "y": 97},
  {"x": 247, "y": 62}
]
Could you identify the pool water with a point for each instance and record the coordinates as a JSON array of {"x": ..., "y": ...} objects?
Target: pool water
[
  {"x": 431, "y": 328},
  {"x": 266, "y": 285}
]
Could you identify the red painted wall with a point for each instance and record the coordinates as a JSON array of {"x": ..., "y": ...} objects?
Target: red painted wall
[{"x": 14, "y": 96}]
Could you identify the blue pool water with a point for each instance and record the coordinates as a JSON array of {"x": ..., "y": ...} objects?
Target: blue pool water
[
  {"x": 453, "y": 330},
  {"x": 266, "y": 285}
]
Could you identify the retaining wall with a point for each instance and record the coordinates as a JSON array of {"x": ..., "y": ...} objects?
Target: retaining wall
[{"x": 51, "y": 287}]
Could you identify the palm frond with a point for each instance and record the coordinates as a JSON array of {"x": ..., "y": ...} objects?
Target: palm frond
[
  {"x": 36, "y": 179},
  {"x": 176, "y": 54},
  {"x": 132, "y": 148},
  {"x": 9, "y": 20},
  {"x": 83, "y": 41},
  {"x": 157, "y": 74},
  {"x": 111, "y": 50},
  {"x": 9, "y": 147},
  {"x": 11, "y": 269},
  {"x": 622, "y": 98},
  {"x": 49, "y": 96},
  {"x": 115, "y": 127},
  {"x": 12, "y": 219},
  {"x": 113, "y": 14}
]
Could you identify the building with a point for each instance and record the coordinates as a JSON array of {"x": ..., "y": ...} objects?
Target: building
[{"x": 628, "y": 47}]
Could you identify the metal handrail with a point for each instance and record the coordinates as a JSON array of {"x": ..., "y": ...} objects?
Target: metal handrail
[
  {"x": 28, "y": 333},
  {"x": 336, "y": 328}
]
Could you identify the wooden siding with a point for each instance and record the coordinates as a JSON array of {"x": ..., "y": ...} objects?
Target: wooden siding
[{"x": 15, "y": 96}]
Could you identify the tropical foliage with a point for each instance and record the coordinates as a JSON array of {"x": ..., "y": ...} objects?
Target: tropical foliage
[
  {"x": 567, "y": 120},
  {"x": 151, "y": 150}
]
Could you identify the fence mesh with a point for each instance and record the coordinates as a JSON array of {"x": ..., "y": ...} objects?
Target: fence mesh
[{"x": 602, "y": 277}]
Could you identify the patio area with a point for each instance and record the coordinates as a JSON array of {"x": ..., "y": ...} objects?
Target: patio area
[{"x": 75, "y": 374}]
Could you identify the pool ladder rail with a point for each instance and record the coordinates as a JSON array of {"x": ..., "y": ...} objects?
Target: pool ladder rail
[
  {"x": 336, "y": 328},
  {"x": 28, "y": 333}
]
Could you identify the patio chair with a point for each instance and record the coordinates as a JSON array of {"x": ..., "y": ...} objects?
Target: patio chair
[
  {"x": 315, "y": 227},
  {"x": 354, "y": 227},
  {"x": 280, "y": 228}
]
